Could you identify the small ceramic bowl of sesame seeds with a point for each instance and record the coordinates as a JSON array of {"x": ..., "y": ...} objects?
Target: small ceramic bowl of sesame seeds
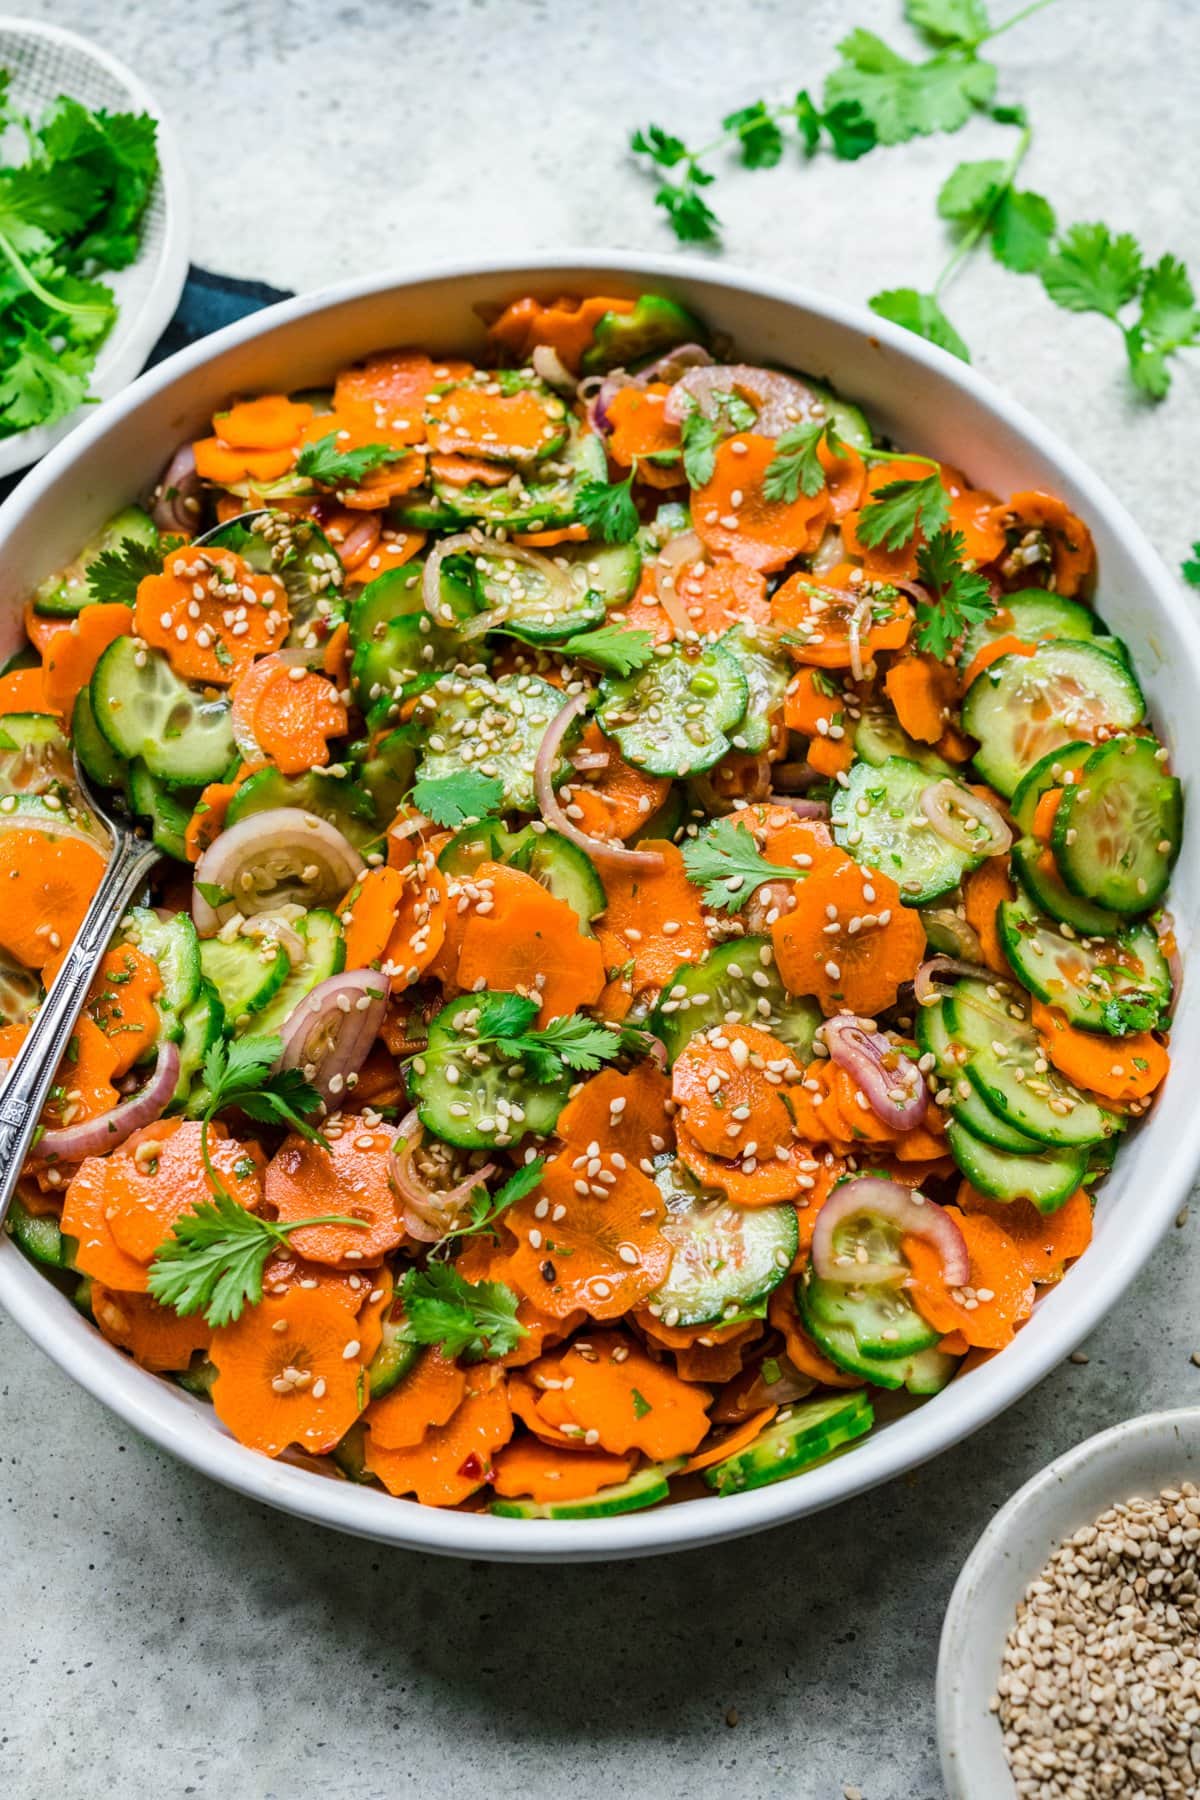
[{"x": 1068, "y": 1665}]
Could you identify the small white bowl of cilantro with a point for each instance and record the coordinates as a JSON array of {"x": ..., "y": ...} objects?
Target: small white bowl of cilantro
[{"x": 93, "y": 232}]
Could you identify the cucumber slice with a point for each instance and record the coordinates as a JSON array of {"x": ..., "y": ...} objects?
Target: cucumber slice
[
  {"x": 387, "y": 771},
  {"x": 394, "y": 1357},
  {"x": 654, "y": 325},
  {"x": 830, "y": 1319},
  {"x": 967, "y": 1104},
  {"x": 348, "y": 1454},
  {"x": 1118, "y": 829},
  {"x": 725, "y": 1259},
  {"x": 324, "y": 955},
  {"x": 38, "y": 1235},
  {"x": 1047, "y": 1180},
  {"x": 882, "y": 1321},
  {"x": 408, "y": 658},
  {"x": 561, "y": 868},
  {"x": 465, "y": 1111},
  {"x": 35, "y": 757},
  {"x": 797, "y": 1438},
  {"x": 878, "y": 735},
  {"x": 199, "y": 1379},
  {"x": 877, "y": 817},
  {"x": 541, "y": 504},
  {"x": 1038, "y": 875},
  {"x": 335, "y": 798},
  {"x": 246, "y": 972},
  {"x": 173, "y": 945},
  {"x": 296, "y": 550},
  {"x": 1114, "y": 985},
  {"x": 166, "y": 814},
  {"x": 143, "y": 709},
  {"x": 850, "y": 420},
  {"x": 542, "y": 601},
  {"x": 65, "y": 594},
  {"x": 1056, "y": 769},
  {"x": 735, "y": 984},
  {"x": 767, "y": 678},
  {"x": 97, "y": 758},
  {"x": 674, "y": 716},
  {"x": 645, "y": 1488},
  {"x": 1022, "y": 707},
  {"x": 203, "y": 1023},
  {"x": 495, "y": 727},
  {"x": 1034, "y": 615},
  {"x": 20, "y": 992}
]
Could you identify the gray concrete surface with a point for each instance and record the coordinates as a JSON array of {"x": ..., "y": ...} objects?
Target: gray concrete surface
[{"x": 159, "y": 1636}]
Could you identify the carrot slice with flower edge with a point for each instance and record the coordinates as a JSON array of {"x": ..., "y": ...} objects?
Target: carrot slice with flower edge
[
  {"x": 859, "y": 970},
  {"x": 155, "y": 1336},
  {"x": 653, "y": 918},
  {"x": 622, "y": 1400},
  {"x": 529, "y": 942},
  {"x": 725, "y": 1093},
  {"x": 1126, "y": 1068},
  {"x": 737, "y": 1439},
  {"x": 1046, "y": 1241},
  {"x": 639, "y": 432},
  {"x": 122, "y": 1003},
  {"x": 268, "y": 422},
  {"x": 289, "y": 1372},
  {"x": 625, "y": 1112},
  {"x": 922, "y": 691},
  {"x": 73, "y": 652},
  {"x": 566, "y": 326},
  {"x": 818, "y": 617},
  {"x": 720, "y": 594},
  {"x": 732, "y": 515},
  {"x": 453, "y": 1460},
  {"x": 291, "y": 714},
  {"x": 47, "y": 880},
  {"x": 427, "y": 1397},
  {"x": 194, "y": 594},
  {"x": 998, "y": 1293},
  {"x": 351, "y": 1177},
  {"x": 802, "y": 1353},
  {"x": 1072, "y": 551},
  {"x": 422, "y": 915},
  {"x": 536, "y": 1471},
  {"x": 24, "y": 691},
  {"x": 982, "y": 891},
  {"x": 616, "y": 800},
  {"x": 368, "y": 915}
]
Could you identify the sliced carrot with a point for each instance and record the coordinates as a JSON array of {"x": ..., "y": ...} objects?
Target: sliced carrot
[
  {"x": 547, "y": 540},
  {"x": 640, "y": 432},
  {"x": 922, "y": 690},
  {"x": 46, "y": 884},
  {"x": 644, "y": 611},
  {"x": 24, "y": 691},
  {"x": 615, "y": 1391},
  {"x": 730, "y": 1094},
  {"x": 208, "y": 818},
  {"x": 752, "y": 1182},
  {"x": 719, "y": 594},
  {"x": 542, "y": 1330},
  {"x": 292, "y": 719},
  {"x": 268, "y": 422},
  {"x": 819, "y": 619},
  {"x": 845, "y": 477},
  {"x": 983, "y": 890},
  {"x": 1046, "y": 1241},
  {"x": 39, "y": 631},
  {"x": 801, "y": 1351},
  {"x": 375, "y": 555},
  {"x": 626, "y": 1112},
  {"x": 465, "y": 471},
  {"x": 529, "y": 1404},
  {"x": 122, "y": 1003},
  {"x": 195, "y": 594},
  {"x": 545, "y": 1474},
  {"x": 155, "y": 1336},
  {"x": 455, "y": 1459},
  {"x": 421, "y": 918},
  {"x": 566, "y": 325},
  {"x": 987, "y": 654},
  {"x": 859, "y": 970},
  {"x": 830, "y": 757},
  {"x": 217, "y": 462},
  {"x": 998, "y": 1293},
  {"x": 531, "y": 943},
  {"x": 83, "y": 1086},
  {"x": 351, "y": 1177},
  {"x": 428, "y": 1396},
  {"x": 973, "y": 512},
  {"x": 878, "y": 561},
  {"x": 732, "y": 515},
  {"x": 285, "y": 1270},
  {"x": 368, "y": 915},
  {"x": 813, "y": 703},
  {"x": 388, "y": 393},
  {"x": 72, "y": 653},
  {"x": 480, "y": 421},
  {"x": 739, "y": 1438},
  {"x": 1044, "y": 814},
  {"x": 1126, "y": 1068},
  {"x": 653, "y": 919},
  {"x": 286, "y": 1373},
  {"x": 1071, "y": 547},
  {"x": 720, "y": 1360},
  {"x": 616, "y": 800}
]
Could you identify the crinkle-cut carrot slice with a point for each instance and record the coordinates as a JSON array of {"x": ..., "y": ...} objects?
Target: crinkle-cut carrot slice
[
  {"x": 530, "y": 942},
  {"x": 217, "y": 462},
  {"x": 465, "y": 471},
  {"x": 268, "y": 422},
  {"x": 643, "y": 611},
  {"x": 818, "y": 618},
  {"x": 351, "y": 1177},
  {"x": 425, "y": 1398},
  {"x": 46, "y": 884},
  {"x": 845, "y": 477},
  {"x": 535, "y": 1409},
  {"x": 1047, "y": 1241},
  {"x": 547, "y": 540},
  {"x": 566, "y": 325},
  {"x": 421, "y": 918},
  {"x": 653, "y": 919},
  {"x": 155, "y": 1336},
  {"x": 802, "y": 1353},
  {"x": 600, "y": 1250},
  {"x": 616, "y": 800},
  {"x": 813, "y": 703},
  {"x": 122, "y": 1004},
  {"x": 371, "y": 905},
  {"x": 388, "y": 392},
  {"x": 878, "y": 561},
  {"x": 817, "y": 1117},
  {"x": 526, "y": 1468},
  {"x": 454, "y": 1459},
  {"x": 859, "y": 970},
  {"x": 728, "y": 1084},
  {"x": 289, "y": 1372},
  {"x": 752, "y": 1181},
  {"x": 614, "y": 1390},
  {"x": 982, "y": 891},
  {"x": 987, "y": 654},
  {"x": 291, "y": 712},
  {"x": 640, "y": 432},
  {"x": 729, "y": 1442},
  {"x": 352, "y": 1287},
  {"x": 369, "y": 553},
  {"x": 820, "y": 1174},
  {"x": 717, "y": 595},
  {"x": 732, "y": 515},
  {"x": 923, "y": 691},
  {"x": 627, "y": 1113},
  {"x": 974, "y": 512},
  {"x": 83, "y": 1085},
  {"x": 998, "y": 1293},
  {"x": 226, "y": 612},
  {"x": 1071, "y": 547},
  {"x": 1127, "y": 1068},
  {"x": 73, "y": 652},
  {"x": 473, "y": 421},
  {"x": 615, "y": 1001},
  {"x": 24, "y": 691},
  {"x": 702, "y": 1352}
]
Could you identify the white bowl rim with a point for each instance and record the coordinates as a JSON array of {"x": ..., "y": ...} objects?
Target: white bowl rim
[
  {"x": 151, "y": 1407},
  {"x": 956, "y": 1723}
]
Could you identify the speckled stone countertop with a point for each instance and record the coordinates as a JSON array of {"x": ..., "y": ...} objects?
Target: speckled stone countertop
[{"x": 161, "y": 1637}]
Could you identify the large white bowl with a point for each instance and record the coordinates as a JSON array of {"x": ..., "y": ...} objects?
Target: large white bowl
[{"x": 927, "y": 400}]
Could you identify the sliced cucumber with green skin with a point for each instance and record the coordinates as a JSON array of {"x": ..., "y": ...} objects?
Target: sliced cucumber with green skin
[
  {"x": 767, "y": 678},
  {"x": 199, "y": 1380},
  {"x": 832, "y": 1318},
  {"x": 394, "y": 1357},
  {"x": 162, "y": 809},
  {"x": 849, "y": 420},
  {"x": 556, "y": 864},
  {"x": 20, "y": 992},
  {"x": 1118, "y": 829},
  {"x": 1023, "y": 707},
  {"x": 65, "y": 594},
  {"x": 539, "y": 600},
  {"x": 97, "y": 758},
  {"x": 493, "y": 727},
  {"x": 676, "y": 716},
  {"x": 1114, "y": 985},
  {"x": 203, "y": 1023},
  {"x": 654, "y": 325},
  {"x": 878, "y": 736},
  {"x": 1037, "y": 874},
  {"x": 464, "y": 1111},
  {"x": 671, "y": 520},
  {"x": 877, "y": 817},
  {"x": 395, "y": 642},
  {"x": 797, "y": 1438},
  {"x": 612, "y": 570},
  {"x": 725, "y": 1259},
  {"x": 324, "y": 955},
  {"x": 1047, "y": 1180},
  {"x": 735, "y": 984},
  {"x": 543, "y": 504},
  {"x": 411, "y": 655},
  {"x": 246, "y": 972},
  {"x": 297, "y": 552},
  {"x": 1038, "y": 1101},
  {"x": 348, "y": 1454},
  {"x": 35, "y": 757},
  {"x": 38, "y": 1235},
  {"x": 173, "y": 946},
  {"x": 646, "y": 1488},
  {"x": 1034, "y": 615},
  {"x": 966, "y": 1104},
  {"x": 1056, "y": 769},
  {"x": 387, "y": 771},
  {"x": 144, "y": 710},
  {"x": 338, "y": 799}
]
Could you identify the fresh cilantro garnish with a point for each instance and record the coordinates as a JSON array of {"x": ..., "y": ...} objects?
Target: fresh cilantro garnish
[
  {"x": 922, "y": 314},
  {"x": 796, "y": 467},
  {"x": 613, "y": 648},
  {"x": 469, "y": 1319},
  {"x": 700, "y": 436},
  {"x": 241, "y": 1073},
  {"x": 483, "y": 1209},
  {"x": 1190, "y": 567},
  {"x": 961, "y": 597},
  {"x": 903, "y": 99},
  {"x": 453, "y": 799},
  {"x": 323, "y": 462},
  {"x": 213, "y": 892},
  {"x": 572, "y": 1042},
  {"x": 1093, "y": 271},
  {"x": 608, "y": 511},
  {"x": 725, "y": 861},
  {"x": 116, "y": 574},
  {"x": 1168, "y": 321},
  {"x": 899, "y": 509}
]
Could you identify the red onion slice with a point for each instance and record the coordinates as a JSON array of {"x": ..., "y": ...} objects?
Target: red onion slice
[
  {"x": 891, "y": 1081},
  {"x": 782, "y": 401},
  {"x": 328, "y": 1035},
  {"x": 886, "y": 1212},
  {"x": 957, "y": 939},
  {"x": 950, "y": 808},
  {"x": 176, "y": 502},
  {"x": 269, "y": 859},
  {"x": 543, "y": 781},
  {"x": 428, "y": 1213},
  {"x": 675, "y": 555},
  {"x": 925, "y": 989},
  {"x": 96, "y": 1137},
  {"x": 549, "y": 367},
  {"x": 803, "y": 809}
]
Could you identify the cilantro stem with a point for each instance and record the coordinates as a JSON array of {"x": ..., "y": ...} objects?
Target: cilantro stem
[
  {"x": 973, "y": 236},
  {"x": 1016, "y": 18},
  {"x": 81, "y": 308}
]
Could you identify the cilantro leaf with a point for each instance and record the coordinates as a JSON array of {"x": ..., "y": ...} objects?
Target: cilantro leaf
[
  {"x": 572, "y": 1042},
  {"x": 323, "y": 462},
  {"x": 659, "y": 146},
  {"x": 970, "y": 191},
  {"x": 608, "y": 511},
  {"x": 580, "y": 1043},
  {"x": 796, "y": 466},
  {"x": 453, "y": 799},
  {"x": 946, "y": 22},
  {"x": 922, "y": 314},
  {"x": 692, "y": 219},
  {"x": 116, "y": 574},
  {"x": 470, "y": 1319},
  {"x": 808, "y": 121},
  {"x": 1168, "y": 321},
  {"x": 1022, "y": 230},
  {"x": 726, "y": 862},
  {"x": 1191, "y": 567},
  {"x": 38, "y": 383},
  {"x": 760, "y": 140},
  {"x": 241, "y": 1072},
  {"x": 700, "y": 436},
  {"x": 961, "y": 597},
  {"x": 1093, "y": 271},
  {"x": 904, "y": 99},
  {"x": 486, "y": 1208},
  {"x": 611, "y": 647},
  {"x": 851, "y": 133},
  {"x": 898, "y": 510}
]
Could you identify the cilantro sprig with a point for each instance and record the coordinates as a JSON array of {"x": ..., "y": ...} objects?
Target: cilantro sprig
[
  {"x": 241, "y": 1073},
  {"x": 607, "y": 509},
  {"x": 898, "y": 510},
  {"x": 961, "y": 598},
  {"x": 574, "y": 1042},
  {"x": 1190, "y": 568},
  {"x": 483, "y": 1209},
  {"x": 614, "y": 648},
  {"x": 451, "y": 800},
  {"x": 116, "y": 574},
  {"x": 796, "y": 466},
  {"x": 325, "y": 464},
  {"x": 474, "y": 1320},
  {"x": 727, "y": 864}
]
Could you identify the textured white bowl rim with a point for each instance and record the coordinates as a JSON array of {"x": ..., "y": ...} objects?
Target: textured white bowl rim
[
  {"x": 166, "y": 1416},
  {"x": 1138, "y": 1456},
  {"x": 123, "y": 354}
]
